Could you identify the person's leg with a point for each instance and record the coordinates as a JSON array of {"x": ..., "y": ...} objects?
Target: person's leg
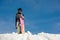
[
  {"x": 18, "y": 28},
  {"x": 22, "y": 25}
]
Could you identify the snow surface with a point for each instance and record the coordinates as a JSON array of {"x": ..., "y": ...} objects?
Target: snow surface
[{"x": 29, "y": 36}]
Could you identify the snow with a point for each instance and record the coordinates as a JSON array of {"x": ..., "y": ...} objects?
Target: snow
[{"x": 29, "y": 36}]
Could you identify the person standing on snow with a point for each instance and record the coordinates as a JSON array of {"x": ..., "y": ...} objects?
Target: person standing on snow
[{"x": 18, "y": 22}]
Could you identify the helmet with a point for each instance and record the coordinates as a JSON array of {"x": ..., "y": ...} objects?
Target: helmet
[{"x": 20, "y": 9}]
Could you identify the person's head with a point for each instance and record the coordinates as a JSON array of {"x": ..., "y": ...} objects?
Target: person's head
[{"x": 19, "y": 10}]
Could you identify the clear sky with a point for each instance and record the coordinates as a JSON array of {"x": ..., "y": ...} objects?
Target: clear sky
[{"x": 40, "y": 15}]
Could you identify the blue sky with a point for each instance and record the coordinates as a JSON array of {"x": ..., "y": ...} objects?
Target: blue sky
[{"x": 40, "y": 15}]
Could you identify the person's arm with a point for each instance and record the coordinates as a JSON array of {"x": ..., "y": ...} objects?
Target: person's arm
[
  {"x": 22, "y": 16},
  {"x": 16, "y": 21}
]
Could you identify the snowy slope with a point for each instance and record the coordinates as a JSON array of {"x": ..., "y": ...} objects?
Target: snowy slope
[{"x": 29, "y": 36}]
